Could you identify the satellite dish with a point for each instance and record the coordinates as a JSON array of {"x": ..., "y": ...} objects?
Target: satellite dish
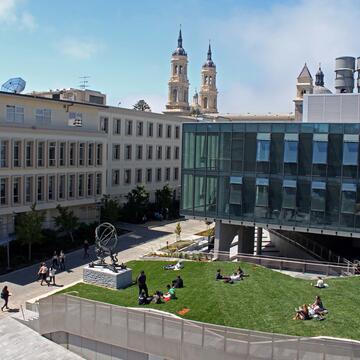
[{"x": 14, "y": 85}]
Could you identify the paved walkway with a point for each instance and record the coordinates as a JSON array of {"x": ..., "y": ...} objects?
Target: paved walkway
[{"x": 142, "y": 239}]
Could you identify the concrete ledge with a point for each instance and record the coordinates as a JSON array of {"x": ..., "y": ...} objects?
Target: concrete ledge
[{"x": 107, "y": 278}]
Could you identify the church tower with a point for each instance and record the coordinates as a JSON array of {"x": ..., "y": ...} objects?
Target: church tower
[
  {"x": 304, "y": 86},
  {"x": 208, "y": 91},
  {"x": 178, "y": 96}
]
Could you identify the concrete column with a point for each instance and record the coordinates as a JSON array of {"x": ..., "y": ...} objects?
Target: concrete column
[
  {"x": 246, "y": 239},
  {"x": 259, "y": 240},
  {"x": 224, "y": 234}
]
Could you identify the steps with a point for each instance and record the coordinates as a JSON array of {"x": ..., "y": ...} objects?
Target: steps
[{"x": 267, "y": 248}]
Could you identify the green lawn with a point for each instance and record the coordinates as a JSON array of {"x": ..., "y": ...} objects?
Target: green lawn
[{"x": 264, "y": 301}]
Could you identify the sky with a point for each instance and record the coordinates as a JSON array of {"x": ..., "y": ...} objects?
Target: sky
[{"x": 259, "y": 46}]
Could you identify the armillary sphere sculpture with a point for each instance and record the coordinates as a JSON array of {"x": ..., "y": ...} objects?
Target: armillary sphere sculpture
[{"x": 106, "y": 240}]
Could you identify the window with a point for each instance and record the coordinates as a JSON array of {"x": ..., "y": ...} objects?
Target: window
[
  {"x": 62, "y": 154},
  {"x": 81, "y": 154},
  {"x": 168, "y": 131},
  {"x": 175, "y": 95},
  {"x": 116, "y": 152},
  {"x": 348, "y": 198},
  {"x": 168, "y": 152},
  {"x": 81, "y": 185},
  {"x": 91, "y": 154},
  {"x": 159, "y": 130},
  {"x": 139, "y": 128},
  {"x": 289, "y": 194},
  {"x": 148, "y": 175},
  {"x": 177, "y": 153},
  {"x": 43, "y": 116},
  {"x": 236, "y": 183},
  {"x": 290, "y": 151},
  {"x": 350, "y": 153},
  {"x": 177, "y": 132},
  {"x": 99, "y": 154},
  {"x": 98, "y": 184},
  {"x": 17, "y": 154},
  {"x": 205, "y": 103},
  {"x": 72, "y": 154},
  {"x": 61, "y": 187},
  {"x": 75, "y": 119},
  {"x": 167, "y": 174},
  {"x": 129, "y": 126},
  {"x": 96, "y": 99},
  {"x": 117, "y": 127},
  {"x": 320, "y": 146},
  {"x": 51, "y": 187},
  {"x": 14, "y": 114},
  {"x": 29, "y": 153},
  {"x": 127, "y": 176},
  {"x": 41, "y": 154},
  {"x": 71, "y": 186},
  {"x": 149, "y": 152},
  {"x": 262, "y": 191},
  {"x": 318, "y": 192},
  {"x": 16, "y": 190},
  {"x": 3, "y": 191},
  {"x": 158, "y": 152},
  {"x": 176, "y": 173},
  {"x": 40, "y": 188},
  {"x": 115, "y": 177},
  {"x": 90, "y": 185},
  {"x": 128, "y": 151},
  {"x": 139, "y": 152},
  {"x": 263, "y": 147},
  {"x": 4, "y": 153},
  {"x": 28, "y": 189},
  {"x": 104, "y": 124},
  {"x": 138, "y": 176},
  {"x": 52, "y": 153},
  {"x": 150, "y": 129},
  {"x": 158, "y": 174}
]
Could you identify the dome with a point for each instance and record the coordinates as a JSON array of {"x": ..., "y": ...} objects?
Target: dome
[
  {"x": 179, "y": 51},
  {"x": 209, "y": 63},
  {"x": 321, "y": 90}
]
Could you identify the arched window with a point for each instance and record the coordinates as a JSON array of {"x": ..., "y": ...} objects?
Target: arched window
[
  {"x": 185, "y": 96},
  {"x": 205, "y": 104},
  {"x": 175, "y": 95},
  {"x": 180, "y": 70},
  {"x": 205, "y": 79},
  {"x": 210, "y": 80},
  {"x": 175, "y": 69}
]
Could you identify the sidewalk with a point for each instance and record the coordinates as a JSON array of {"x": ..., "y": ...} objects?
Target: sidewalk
[{"x": 141, "y": 240}]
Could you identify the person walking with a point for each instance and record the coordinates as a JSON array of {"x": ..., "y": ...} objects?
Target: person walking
[
  {"x": 52, "y": 272},
  {"x": 55, "y": 262},
  {"x": 5, "y": 296},
  {"x": 62, "y": 260},
  {"x": 86, "y": 249},
  {"x": 141, "y": 281},
  {"x": 43, "y": 274}
]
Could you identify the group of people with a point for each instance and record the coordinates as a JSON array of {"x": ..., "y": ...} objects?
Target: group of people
[
  {"x": 58, "y": 260},
  {"x": 236, "y": 276},
  {"x": 314, "y": 311},
  {"x": 158, "y": 297},
  {"x": 47, "y": 274}
]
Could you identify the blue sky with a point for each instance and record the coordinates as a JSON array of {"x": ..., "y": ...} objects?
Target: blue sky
[{"x": 259, "y": 47}]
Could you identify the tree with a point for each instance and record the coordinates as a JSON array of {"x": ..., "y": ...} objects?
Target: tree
[
  {"x": 66, "y": 221},
  {"x": 137, "y": 204},
  {"x": 28, "y": 227},
  {"x": 142, "y": 105},
  {"x": 164, "y": 199},
  {"x": 110, "y": 210},
  {"x": 178, "y": 231}
]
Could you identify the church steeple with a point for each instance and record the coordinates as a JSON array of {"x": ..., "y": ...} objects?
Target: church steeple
[
  {"x": 180, "y": 39},
  {"x": 209, "y": 52},
  {"x": 319, "y": 77}
]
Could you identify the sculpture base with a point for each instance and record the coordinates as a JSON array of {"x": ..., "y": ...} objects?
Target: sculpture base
[{"x": 107, "y": 278}]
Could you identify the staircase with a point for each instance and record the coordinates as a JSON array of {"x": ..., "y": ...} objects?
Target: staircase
[
  {"x": 267, "y": 248},
  {"x": 27, "y": 317}
]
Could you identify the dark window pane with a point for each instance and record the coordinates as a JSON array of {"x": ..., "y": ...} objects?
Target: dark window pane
[
  {"x": 289, "y": 198},
  {"x": 262, "y": 195},
  {"x": 263, "y": 150},
  {"x": 290, "y": 151},
  {"x": 318, "y": 199},
  {"x": 320, "y": 152},
  {"x": 350, "y": 154},
  {"x": 211, "y": 195},
  {"x": 348, "y": 201}
]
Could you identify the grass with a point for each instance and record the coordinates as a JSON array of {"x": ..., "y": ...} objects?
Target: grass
[
  {"x": 264, "y": 301},
  {"x": 177, "y": 245},
  {"x": 209, "y": 232}
]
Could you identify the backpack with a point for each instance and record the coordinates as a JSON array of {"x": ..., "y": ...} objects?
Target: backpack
[
  {"x": 142, "y": 300},
  {"x": 2, "y": 295}
]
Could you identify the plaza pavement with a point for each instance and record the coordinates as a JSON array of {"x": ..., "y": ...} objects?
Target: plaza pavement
[{"x": 141, "y": 240}]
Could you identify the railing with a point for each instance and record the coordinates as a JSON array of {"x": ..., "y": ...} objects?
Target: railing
[{"x": 175, "y": 338}]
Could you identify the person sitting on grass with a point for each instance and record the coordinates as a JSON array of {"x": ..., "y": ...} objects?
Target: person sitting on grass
[
  {"x": 302, "y": 313},
  {"x": 235, "y": 277},
  {"x": 178, "y": 283},
  {"x": 157, "y": 297},
  {"x": 318, "y": 306},
  {"x": 320, "y": 283},
  {"x": 171, "y": 294},
  {"x": 143, "y": 299}
]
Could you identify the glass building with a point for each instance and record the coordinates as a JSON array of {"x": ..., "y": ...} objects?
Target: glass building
[{"x": 302, "y": 176}]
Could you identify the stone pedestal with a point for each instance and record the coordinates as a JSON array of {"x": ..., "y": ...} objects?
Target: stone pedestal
[{"x": 105, "y": 277}]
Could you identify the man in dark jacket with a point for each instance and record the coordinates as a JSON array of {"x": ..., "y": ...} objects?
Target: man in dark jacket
[
  {"x": 141, "y": 281},
  {"x": 178, "y": 283}
]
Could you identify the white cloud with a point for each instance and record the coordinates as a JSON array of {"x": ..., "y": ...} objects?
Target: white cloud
[
  {"x": 274, "y": 46},
  {"x": 79, "y": 49},
  {"x": 10, "y": 14}
]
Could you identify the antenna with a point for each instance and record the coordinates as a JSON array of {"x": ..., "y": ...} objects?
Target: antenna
[
  {"x": 14, "y": 85},
  {"x": 84, "y": 83}
]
